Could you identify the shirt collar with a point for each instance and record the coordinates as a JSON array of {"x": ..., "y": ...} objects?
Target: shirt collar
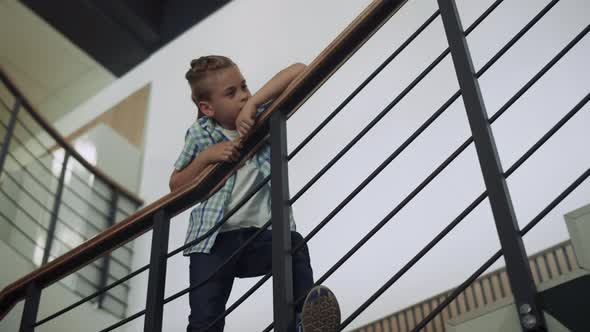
[{"x": 207, "y": 123}]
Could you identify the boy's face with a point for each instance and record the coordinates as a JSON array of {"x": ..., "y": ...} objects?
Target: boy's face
[{"x": 228, "y": 94}]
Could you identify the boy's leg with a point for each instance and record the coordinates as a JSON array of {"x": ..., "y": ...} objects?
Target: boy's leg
[
  {"x": 257, "y": 260},
  {"x": 208, "y": 301},
  {"x": 302, "y": 272}
]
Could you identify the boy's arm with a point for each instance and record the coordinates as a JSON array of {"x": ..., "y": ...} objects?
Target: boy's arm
[
  {"x": 221, "y": 152},
  {"x": 277, "y": 84},
  {"x": 270, "y": 90}
]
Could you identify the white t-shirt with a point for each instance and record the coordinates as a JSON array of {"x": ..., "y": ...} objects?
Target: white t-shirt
[{"x": 256, "y": 211}]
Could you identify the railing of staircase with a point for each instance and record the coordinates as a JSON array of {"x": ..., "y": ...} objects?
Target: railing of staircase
[
  {"x": 271, "y": 125},
  {"x": 54, "y": 199}
]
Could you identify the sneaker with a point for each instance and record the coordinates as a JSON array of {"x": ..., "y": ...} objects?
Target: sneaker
[{"x": 321, "y": 312}]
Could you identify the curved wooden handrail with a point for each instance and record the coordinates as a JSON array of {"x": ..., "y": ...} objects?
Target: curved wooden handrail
[
  {"x": 211, "y": 179},
  {"x": 61, "y": 141}
]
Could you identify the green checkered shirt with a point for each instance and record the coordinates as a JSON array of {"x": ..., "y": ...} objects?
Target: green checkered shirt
[{"x": 206, "y": 214}]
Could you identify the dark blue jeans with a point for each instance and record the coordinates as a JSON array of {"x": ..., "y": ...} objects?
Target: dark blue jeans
[{"x": 208, "y": 301}]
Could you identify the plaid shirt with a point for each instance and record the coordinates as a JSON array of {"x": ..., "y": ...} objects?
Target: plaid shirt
[{"x": 205, "y": 215}]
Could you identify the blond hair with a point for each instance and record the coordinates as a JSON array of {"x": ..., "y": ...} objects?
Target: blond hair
[{"x": 200, "y": 70}]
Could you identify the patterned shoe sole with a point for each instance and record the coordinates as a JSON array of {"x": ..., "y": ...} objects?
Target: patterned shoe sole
[{"x": 321, "y": 312}]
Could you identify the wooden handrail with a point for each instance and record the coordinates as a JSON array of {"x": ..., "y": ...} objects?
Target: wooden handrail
[
  {"x": 213, "y": 177},
  {"x": 61, "y": 141}
]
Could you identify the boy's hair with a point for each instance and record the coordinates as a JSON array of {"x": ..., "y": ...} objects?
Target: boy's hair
[{"x": 200, "y": 70}]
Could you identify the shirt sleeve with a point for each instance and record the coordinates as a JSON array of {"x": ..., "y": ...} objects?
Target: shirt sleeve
[{"x": 189, "y": 151}]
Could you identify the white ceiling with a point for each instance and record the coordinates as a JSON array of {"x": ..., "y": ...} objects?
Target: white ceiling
[{"x": 54, "y": 74}]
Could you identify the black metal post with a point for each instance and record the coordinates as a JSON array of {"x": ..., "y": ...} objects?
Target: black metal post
[
  {"x": 519, "y": 273},
  {"x": 9, "y": 132},
  {"x": 27, "y": 323},
  {"x": 104, "y": 270},
  {"x": 284, "y": 311},
  {"x": 157, "y": 277},
  {"x": 55, "y": 210}
]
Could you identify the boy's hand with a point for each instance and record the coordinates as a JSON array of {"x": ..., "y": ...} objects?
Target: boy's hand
[
  {"x": 223, "y": 152},
  {"x": 246, "y": 118}
]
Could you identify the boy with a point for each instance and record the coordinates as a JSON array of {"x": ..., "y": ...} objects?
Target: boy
[{"x": 228, "y": 110}]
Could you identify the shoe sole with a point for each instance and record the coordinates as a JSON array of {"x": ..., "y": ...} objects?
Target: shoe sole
[{"x": 321, "y": 312}]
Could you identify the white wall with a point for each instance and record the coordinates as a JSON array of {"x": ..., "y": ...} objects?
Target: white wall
[{"x": 263, "y": 36}]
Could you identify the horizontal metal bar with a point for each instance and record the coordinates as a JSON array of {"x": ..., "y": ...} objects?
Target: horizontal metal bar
[
  {"x": 36, "y": 200},
  {"x": 519, "y": 35},
  {"x": 28, "y": 259},
  {"x": 37, "y": 245},
  {"x": 378, "y": 170},
  {"x": 124, "y": 321},
  {"x": 483, "y": 16},
  {"x": 238, "y": 251},
  {"x": 93, "y": 295},
  {"x": 50, "y": 172},
  {"x": 368, "y": 127},
  {"x": 540, "y": 74},
  {"x": 26, "y": 212},
  {"x": 364, "y": 84},
  {"x": 180, "y": 293},
  {"x": 555, "y": 202},
  {"x": 79, "y": 178},
  {"x": 457, "y": 291},
  {"x": 497, "y": 255},
  {"x": 398, "y": 208},
  {"x": 61, "y": 222},
  {"x": 47, "y": 152},
  {"x": 415, "y": 259},
  {"x": 547, "y": 135},
  {"x": 240, "y": 300},
  {"x": 381, "y": 67},
  {"x": 382, "y": 223}
]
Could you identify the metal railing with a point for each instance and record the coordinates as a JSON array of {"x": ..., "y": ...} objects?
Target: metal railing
[
  {"x": 271, "y": 125},
  {"x": 488, "y": 289},
  {"x": 53, "y": 199}
]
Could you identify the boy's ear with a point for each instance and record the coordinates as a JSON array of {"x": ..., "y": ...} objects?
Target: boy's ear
[{"x": 206, "y": 108}]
